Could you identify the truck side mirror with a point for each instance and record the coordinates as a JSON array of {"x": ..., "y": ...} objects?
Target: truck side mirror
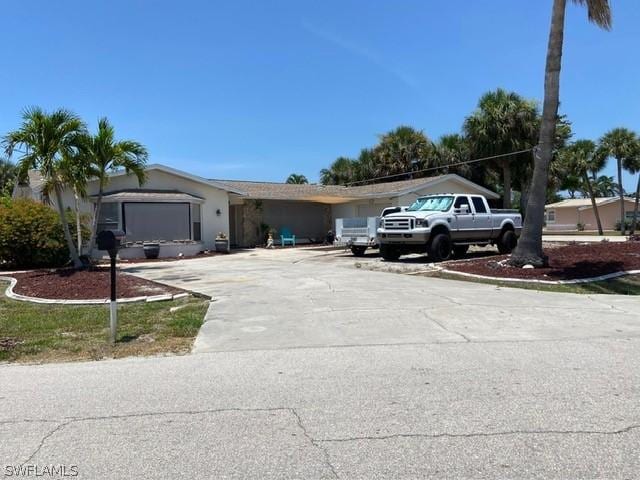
[{"x": 462, "y": 209}]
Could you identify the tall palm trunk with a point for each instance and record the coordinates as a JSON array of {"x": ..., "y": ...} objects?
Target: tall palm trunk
[
  {"x": 623, "y": 224},
  {"x": 506, "y": 173},
  {"x": 94, "y": 222},
  {"x": 594, "y": 204},
  {"x": 65, "y": 228},
  {"x": 529, "y": 249},
  {"x": 635, "y": 209},
  {"x": 78, "y": 222}
]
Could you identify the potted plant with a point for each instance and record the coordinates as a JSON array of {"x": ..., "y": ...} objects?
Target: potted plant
[
  {"x": 222, "y": 243},
  {"x": 151, "y": 249}
]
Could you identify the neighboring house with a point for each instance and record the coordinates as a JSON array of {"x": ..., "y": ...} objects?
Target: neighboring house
[
  {"x": 186, "y": 212},
  {"x": 568, "y": 214}
]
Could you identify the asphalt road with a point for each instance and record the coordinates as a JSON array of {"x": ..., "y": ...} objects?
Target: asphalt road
[{"x": 549, "y": 390}]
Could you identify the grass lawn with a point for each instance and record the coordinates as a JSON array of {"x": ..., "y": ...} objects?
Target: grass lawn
[
  {"x": 627, "y": 285},
  {"x": 52, "y": 333}
]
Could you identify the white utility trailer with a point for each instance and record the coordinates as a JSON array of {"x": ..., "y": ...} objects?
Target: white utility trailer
[{"x": 360, "y": 233}]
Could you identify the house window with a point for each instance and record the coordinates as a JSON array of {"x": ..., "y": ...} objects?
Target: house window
[
  {"x": 551, "y": 216},
  {"x": 108, "y": 218},
  {"x": 628, "y": 216},
  {"x": 195, "y": 218}
]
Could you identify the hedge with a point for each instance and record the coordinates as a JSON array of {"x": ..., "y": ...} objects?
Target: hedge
[{"x": 31, "y": 235}]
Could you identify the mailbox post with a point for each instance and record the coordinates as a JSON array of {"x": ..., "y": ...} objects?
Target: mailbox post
[{"x": 109, "y": 240}]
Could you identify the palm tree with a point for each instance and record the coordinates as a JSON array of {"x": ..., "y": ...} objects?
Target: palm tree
[
  {"x": 504, "y": 122},
  {"x": 633, "y": 166},
  {"x": 365, "y": 167},
  {"x": 604, "y": 186},
  {"x": 8, "y": 173},
  {"x": 623, "y": 145},
  {"x": 340, "y": 172},
  {"x": 581, "y": 159},
  {"x": 106, "y": 154},
  {"x": 47, "y": 138},
  {"x": 76, "y": 170},
  {"x": 529, "y": 249},
  {"x": 297, "y": 179},
  {"x": 403, "y": 150}
]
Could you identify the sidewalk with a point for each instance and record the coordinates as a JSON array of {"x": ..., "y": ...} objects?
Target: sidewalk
[{"x": 583, "y": 238}]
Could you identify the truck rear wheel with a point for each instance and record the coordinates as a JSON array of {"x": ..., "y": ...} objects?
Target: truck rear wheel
[
  {"x": 389, "y": 252},
  {"x": 507, "y": 242},
  {"x": 440, "y": 248},
  {"x": 358, "y": 250},
  {"x": 460, "y": 251}
]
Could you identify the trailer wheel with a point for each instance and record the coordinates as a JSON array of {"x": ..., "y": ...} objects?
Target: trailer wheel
[
  {"x": 460, "y": 251},
  {"x": 507, "y": 242},
  {"x": 389, "y": 253},
  {"x": 358, "y": 250},
  {"x": 440, "y": 248}
]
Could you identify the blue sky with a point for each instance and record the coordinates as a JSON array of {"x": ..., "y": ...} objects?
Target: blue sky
[{"x": 258, "y": 90}]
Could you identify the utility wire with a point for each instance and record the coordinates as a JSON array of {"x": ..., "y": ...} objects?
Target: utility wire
[{"x": 466, "y": 162}]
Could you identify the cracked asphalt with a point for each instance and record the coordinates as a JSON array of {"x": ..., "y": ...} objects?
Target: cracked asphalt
[{"x": 308, "y": 367}]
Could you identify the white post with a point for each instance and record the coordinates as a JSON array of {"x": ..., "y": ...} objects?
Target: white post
[{"x": 113, "y": 307}]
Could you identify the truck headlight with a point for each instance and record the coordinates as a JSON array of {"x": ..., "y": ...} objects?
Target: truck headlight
[{"x": 422, "y": 223}]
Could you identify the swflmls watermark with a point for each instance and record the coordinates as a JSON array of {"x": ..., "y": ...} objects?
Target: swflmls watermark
[{"x": 40, "y": 471}]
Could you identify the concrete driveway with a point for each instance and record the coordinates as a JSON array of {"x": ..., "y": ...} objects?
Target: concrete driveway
[
  {"x": 272, "y": 299},
  {"x": 310, "y": 369}
]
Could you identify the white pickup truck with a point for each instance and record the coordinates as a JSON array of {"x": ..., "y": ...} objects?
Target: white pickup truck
[{"x": 445, "y": 225}]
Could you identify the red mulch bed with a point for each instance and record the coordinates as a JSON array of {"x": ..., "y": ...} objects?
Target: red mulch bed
[
  {"x": 69, "y": 284},
  {"x": 569, "y": 262}
]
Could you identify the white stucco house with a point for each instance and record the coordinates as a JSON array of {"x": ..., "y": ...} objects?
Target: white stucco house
[{"x": 186, "y": 212}]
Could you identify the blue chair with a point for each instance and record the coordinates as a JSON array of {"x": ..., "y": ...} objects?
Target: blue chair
[{"x": 287, "y": 237}]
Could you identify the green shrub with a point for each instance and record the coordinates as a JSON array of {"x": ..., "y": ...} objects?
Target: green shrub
[
  {"x": 31, "y": 235},
  {"x": 627, "y": 225}
]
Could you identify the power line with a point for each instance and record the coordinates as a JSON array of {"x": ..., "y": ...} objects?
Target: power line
[{"x": 467, "y": 162}]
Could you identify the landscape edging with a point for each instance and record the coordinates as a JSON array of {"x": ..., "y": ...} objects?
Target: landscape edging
[
  {"x": 599, "y": 278},
  {"x": 95, "y": 301}
]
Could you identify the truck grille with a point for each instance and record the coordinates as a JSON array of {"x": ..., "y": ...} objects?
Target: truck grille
[{"x": 398, "y": 223}]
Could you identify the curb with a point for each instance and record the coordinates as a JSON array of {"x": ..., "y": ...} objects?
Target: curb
[
  {"x": 96, "y": 301},
  {"x": 599, "y": 278}
]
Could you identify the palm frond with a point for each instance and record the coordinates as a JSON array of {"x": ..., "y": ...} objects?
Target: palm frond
[{"x": 599, "y": 12}]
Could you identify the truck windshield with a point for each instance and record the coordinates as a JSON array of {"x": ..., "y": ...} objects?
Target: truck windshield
[{"x": 432, "y": 204}]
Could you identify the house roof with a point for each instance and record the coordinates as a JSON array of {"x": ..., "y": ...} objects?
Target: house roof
[
  {"x": 183, "y": 174},
  {"x": 339, "y": 193},
  {"x": 306, "y": 192},
  {"x": 585, "y": 203},
  {"x": 285, "y": 191},
  {"x": 146, "y": 195}
]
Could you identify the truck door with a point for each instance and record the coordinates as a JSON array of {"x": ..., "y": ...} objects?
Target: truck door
[
  {"x": 482, "y": 219},
  {"x": 462, "y": 222}
]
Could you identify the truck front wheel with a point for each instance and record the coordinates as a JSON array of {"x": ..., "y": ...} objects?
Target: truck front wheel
[
  {"x": 507, "y": 242},
  {"x": 440, "y": 248},
  {"x": 389, "y": 252},
  {"x": 358, "y": 250}
]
